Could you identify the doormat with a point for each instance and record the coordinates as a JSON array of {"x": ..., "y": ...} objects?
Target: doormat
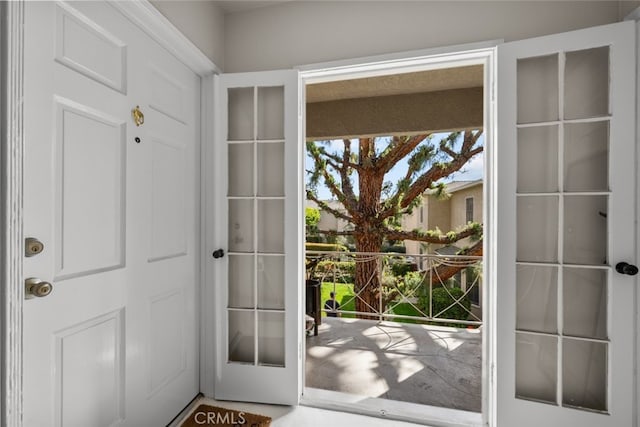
[{"x": 206, "y": 415}]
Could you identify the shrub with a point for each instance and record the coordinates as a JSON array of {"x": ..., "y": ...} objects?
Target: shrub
[
  {"x": 345, "y": 271},
  {"x": 325, "y": 247},
  {"x": 400, "y": 269},
  {"x": 443, "y": 298}
]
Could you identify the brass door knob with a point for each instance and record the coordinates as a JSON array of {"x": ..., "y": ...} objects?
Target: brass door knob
[{"x": 34, "y": 287}]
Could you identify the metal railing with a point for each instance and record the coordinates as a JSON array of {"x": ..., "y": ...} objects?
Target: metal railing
[{"x": 438, "y": 289}]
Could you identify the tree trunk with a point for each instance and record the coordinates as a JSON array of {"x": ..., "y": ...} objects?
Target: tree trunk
[{"x": 368, "y": 280}]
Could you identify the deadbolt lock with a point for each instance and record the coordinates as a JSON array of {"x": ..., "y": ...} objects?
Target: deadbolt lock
[
  {"x": 32, "y": 246},
  {"x": 36, "y": 288}
]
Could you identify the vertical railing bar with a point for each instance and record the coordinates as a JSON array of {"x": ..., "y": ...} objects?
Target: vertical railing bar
[{"x": 431, "y": 266}]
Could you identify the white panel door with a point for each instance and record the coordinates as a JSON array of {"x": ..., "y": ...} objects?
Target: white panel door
[
  {"x": 259, "y": 217},
  {"x": 116, "y": 207},
  {"x": 566, "y": 223}
]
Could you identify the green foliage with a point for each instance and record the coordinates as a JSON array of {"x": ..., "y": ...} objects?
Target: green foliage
[
  {"x": 343, "y": 271},
  {"x": 406, "y": 309},
  {"x": 399, "y": 269},
  {"x": 443, "y": 298},
  {"x": 311, "y": 218},
  {"x": 325, "y": 247}
]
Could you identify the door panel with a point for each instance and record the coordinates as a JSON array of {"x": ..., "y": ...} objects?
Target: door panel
[
  {"x": 89, "y": 190},
  {"x": 116, "y": 206},
  {"x": 566, "y": 195},
  {"x": 259, "y": 282}
]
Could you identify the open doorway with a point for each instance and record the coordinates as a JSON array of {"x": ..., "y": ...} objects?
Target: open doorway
[{"x": 394, "y": 214}]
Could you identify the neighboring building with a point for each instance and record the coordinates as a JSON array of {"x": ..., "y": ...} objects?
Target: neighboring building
[{"x": 463, "y": 205}]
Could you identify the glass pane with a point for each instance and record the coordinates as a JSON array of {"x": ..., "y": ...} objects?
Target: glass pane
[
  {"x": 271, "y": 282},
  {"x": 241, "y": 113},
  {"x": 537, "y": 238},
  {"x": 584, "y": 374},
  {"x": 240, "y": 225},
  {"x": 585, "y": 302},
  {"x": 537, "y": 298},
  {"x": 271, "y": 226},
  {"x": 271, "y": 169},
  {"x": 538, "y": 159},
  {"x": 538, "y": 89},
  {"x": 536, "y": 367},
  {"x": 241, "y": 336},
  {"x": 240, "y": 169},
  {"x": 586, "y": 83},
  {"x": 271, "y": 112},
  {"x": 586, "y": 156},
  {"x": 271, "y": 339},
  {"x": 241, "y": 277},
  {"x": 585, "y": 230}
]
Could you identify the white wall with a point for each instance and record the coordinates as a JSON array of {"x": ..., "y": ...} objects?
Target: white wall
[
  {"x": 298, "y": 33},
  {"x": 201, "y": 21}
]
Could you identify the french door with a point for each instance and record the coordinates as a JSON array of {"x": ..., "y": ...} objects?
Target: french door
[
  {"x": 566, "y": 227},
  {"x": 259, "y": 262}
]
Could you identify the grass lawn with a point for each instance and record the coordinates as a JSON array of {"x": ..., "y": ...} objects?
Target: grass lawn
[
  {"x": 405, "y": 309},
  {"x": 344, "y": 292},
  {"x": 344, "y": 295}
]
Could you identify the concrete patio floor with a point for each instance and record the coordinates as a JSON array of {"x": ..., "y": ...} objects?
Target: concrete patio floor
[{"x": 430, "y": 365}]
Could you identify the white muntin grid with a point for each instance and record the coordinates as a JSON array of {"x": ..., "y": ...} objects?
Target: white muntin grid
[
  {"x": 258, "y": 205},
  {"x": 560, "y": 265}
]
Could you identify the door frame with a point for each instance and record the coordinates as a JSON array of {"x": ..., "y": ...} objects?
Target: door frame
[
  {"x": 146, "y": 17},
  {"x": 482, "y": 53}
]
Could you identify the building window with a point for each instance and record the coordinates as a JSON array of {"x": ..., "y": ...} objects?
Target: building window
[
  {"x": 421, "y": 214},
  {"x": 469, "y": 202}
]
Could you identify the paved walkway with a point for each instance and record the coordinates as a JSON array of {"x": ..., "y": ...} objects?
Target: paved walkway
[{"x": 430, "y": 365}]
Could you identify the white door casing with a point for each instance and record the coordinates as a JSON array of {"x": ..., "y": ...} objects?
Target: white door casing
[
  {"x": 565, "y": 218},
  {"x": 259, "y": 226},
  {"x": 117, "y": 208}
]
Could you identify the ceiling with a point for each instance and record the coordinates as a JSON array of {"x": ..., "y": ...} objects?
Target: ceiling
[
  {"x": 398, "y": 84},
  {"x": 243, "y": 5}
]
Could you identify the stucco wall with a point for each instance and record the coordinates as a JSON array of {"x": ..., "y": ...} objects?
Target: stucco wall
[
  {"x": 458, "y": 206},
  {"x": 298, "y": 33},
  {"x": 202, "y": 22}
]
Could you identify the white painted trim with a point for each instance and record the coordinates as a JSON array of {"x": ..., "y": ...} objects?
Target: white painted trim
[
  {"x": 12, "y": 243},
  {"x": 389, "y": 409},
  {"x": 397, "y": 63},
  {"x": 475, "y": 54},
  {"x": 149, "y": 19},
  {"x": 207, "y": 229},
  {"x": 635, "y": 15}
]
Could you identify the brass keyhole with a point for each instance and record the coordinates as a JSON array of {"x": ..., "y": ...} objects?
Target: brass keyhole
[{"x": 32, "y": 247}]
